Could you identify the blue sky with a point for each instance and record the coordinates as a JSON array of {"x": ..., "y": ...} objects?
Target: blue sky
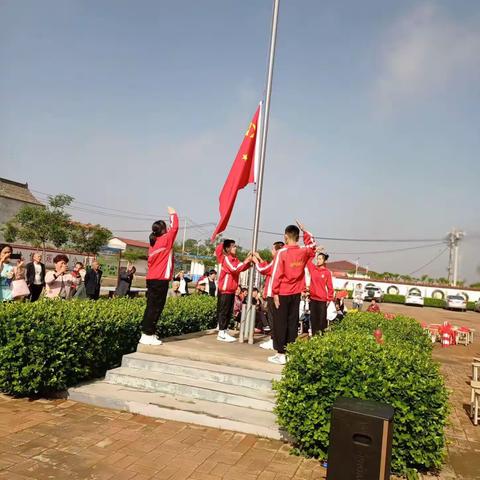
[{"x": 135, "y": 105}]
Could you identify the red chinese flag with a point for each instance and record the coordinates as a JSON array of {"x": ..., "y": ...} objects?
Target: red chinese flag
[{"x": 241, "y": 174}]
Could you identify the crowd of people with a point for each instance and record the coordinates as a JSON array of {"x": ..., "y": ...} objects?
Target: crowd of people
[
  {"x": 31, "y": 281},
  {"x": 284, "y": 307}
]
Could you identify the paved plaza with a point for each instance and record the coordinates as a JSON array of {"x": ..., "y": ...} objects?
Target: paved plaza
[{"x": 60, "y": 439}]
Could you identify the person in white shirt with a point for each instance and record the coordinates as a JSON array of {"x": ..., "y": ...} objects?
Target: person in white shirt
[{"x": 184, "y": 281}]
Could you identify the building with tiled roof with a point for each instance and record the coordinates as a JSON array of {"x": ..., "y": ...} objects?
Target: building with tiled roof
[{"x": 13, "y": 196}]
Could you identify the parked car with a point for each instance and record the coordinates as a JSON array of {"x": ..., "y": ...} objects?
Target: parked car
[
  {"x": 456, "y": 302},
  {"x": 477, "y": 306},
  {"x": 373, "y": 292},
  {"x": 414, "y": 298}
]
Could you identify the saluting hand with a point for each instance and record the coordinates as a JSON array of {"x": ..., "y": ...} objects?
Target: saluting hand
[
  {"x": 301, "y": 226},
  {"x": 171, "y": 210}
]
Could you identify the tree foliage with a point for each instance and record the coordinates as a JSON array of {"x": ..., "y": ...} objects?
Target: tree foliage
[
  {"x": 88, "y": 238},
  {"x": 40, "y": 225}
]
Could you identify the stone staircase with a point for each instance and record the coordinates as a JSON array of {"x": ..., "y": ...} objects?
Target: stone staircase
[{"x": 188, "y": 390}]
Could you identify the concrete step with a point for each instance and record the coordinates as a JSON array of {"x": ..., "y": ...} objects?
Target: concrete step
[
  {"x": 189, "y": 387},
  {"x": 178, "y": 408},
  {"x": 224, "y": 374}
]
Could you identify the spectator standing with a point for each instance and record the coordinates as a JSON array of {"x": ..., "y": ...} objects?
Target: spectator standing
[
  {"x": 35, "y": 276},
  {"x": 175, "y": 291},
  {"x": 159, "y": 275},
  {"x": 79, "y": 273},
  {"x": 210, "y": 284},
  {"x": 184, "y": 281},
  {"x": 358, "y": 296},
  {"x": 59, "y": 282},
  {"x": 93, "y": 280},
  {"x": 125, "y": 280},
  {"x": 6, "y": 273}
]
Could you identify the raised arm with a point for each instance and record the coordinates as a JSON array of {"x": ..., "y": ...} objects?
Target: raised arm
[{"x": 173, "y": 230}]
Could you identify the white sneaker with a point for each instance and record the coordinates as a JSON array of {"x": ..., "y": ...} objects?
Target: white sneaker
[
  {"x": 279, "y": 359},
  {"x": 223, "y": 336},
  {"x": 149, "y": 340},
  {"x": 156, "y": 341},
  {"x": 268, "y": 345}
]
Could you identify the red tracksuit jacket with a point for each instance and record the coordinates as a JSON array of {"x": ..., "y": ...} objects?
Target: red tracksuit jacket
[
  {"x": 231, "y": 267},
  {"x": 288, "y": 276},
  {"x": 160, "y": 256},
  {"x": 321, "y": 286},
  {"x": 266, "y": 268}
]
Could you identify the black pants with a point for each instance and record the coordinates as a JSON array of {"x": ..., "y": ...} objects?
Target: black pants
[
  {"x": 156, "y": 298},
  {"x": 271, "y": 312},
  {"x": 225, "y": 302},
  {"x": 285, "y": 321},
  {"x": 318, "y": 316},
  {"x": 35, "y": 291}
]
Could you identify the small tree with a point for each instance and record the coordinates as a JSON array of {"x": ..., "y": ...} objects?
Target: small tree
[
  {"x": 88, "y": 238},
  {"x": 40, "y": 225}
]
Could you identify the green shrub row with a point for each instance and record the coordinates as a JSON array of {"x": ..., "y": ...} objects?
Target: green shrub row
[
  {"x": 390, "y": 298},
  {"x": 433, "y": 302},
  {"x": 48, "y": 346},
  {"x": 347, "y": 362}
]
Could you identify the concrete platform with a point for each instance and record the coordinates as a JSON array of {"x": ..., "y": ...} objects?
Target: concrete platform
[
  {"x": 205, "y": 347},
  {"x": 196, "y": 379}
]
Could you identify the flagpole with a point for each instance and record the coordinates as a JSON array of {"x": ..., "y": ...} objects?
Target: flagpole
[{"x": 258, "y": 201}]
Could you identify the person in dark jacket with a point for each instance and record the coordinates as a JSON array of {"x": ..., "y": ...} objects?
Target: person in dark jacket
[
  {"x": 35, "y": 276},
  {"x": 93, "y": 279},
  {"x": 125, "y": 281}
]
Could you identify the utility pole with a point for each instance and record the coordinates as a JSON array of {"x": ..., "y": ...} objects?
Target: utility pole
[{"x": 453, "y": 239}]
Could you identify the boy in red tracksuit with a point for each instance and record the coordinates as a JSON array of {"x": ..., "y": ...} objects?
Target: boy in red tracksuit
[
  {"x": 288, "y": 282},
  {"x": 321, "y": 292},
  {"x": 266, "y": 268},
  {"x": 231, "y": 267},
  {"x": 159, "y": 274}
]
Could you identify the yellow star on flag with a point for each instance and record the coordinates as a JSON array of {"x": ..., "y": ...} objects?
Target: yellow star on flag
[{"x": 245, "y": 157}]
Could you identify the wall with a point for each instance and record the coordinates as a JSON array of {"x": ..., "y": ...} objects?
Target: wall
[
  {"x": 8, "y": 209},
  {"x": 428, "y": 291}
]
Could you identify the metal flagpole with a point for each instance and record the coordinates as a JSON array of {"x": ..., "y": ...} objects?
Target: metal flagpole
[{"x": 258, "y": 202}]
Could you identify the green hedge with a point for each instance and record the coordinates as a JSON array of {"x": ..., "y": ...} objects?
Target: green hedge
[
  {"x": 401, "y": 329},
  {"x": 48, "y": 346},
  {"x": 348, "y": 362},
  {"x": 389, "y": 298},
  {"x": 434, "y": 302}
]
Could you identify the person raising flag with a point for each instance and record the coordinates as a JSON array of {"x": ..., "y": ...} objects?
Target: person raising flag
[
  {"x": 265, "y": 268},
  {"x": 159, "y": 275},
  {"x": 231, "y": 267},
  {"x": 288, "y": 282}
]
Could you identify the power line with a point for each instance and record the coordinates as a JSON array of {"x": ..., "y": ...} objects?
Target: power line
[
  {"x": 430, "y": 262},
  {"x": 389, "y": 251},
  {"x": 147, "y": 217}
]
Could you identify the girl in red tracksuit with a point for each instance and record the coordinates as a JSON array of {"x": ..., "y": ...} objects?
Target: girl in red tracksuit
[
  {"x": 159, "y": 274},
  {"x": 321, "y": 292},
  {"x": 266, "y": 269},
  {"x": 231, "y": 267}
]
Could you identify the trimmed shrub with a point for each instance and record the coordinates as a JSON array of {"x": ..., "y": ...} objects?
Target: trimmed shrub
[
  {"x": 390, "y": 298},
  {"x": 50, "y": 345},
  {"x": 348, "y": 362},
  {"x": 434, "y": 302},
  {"x": 471, "y": 306},
  {"x": 400, "y": 329}
]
